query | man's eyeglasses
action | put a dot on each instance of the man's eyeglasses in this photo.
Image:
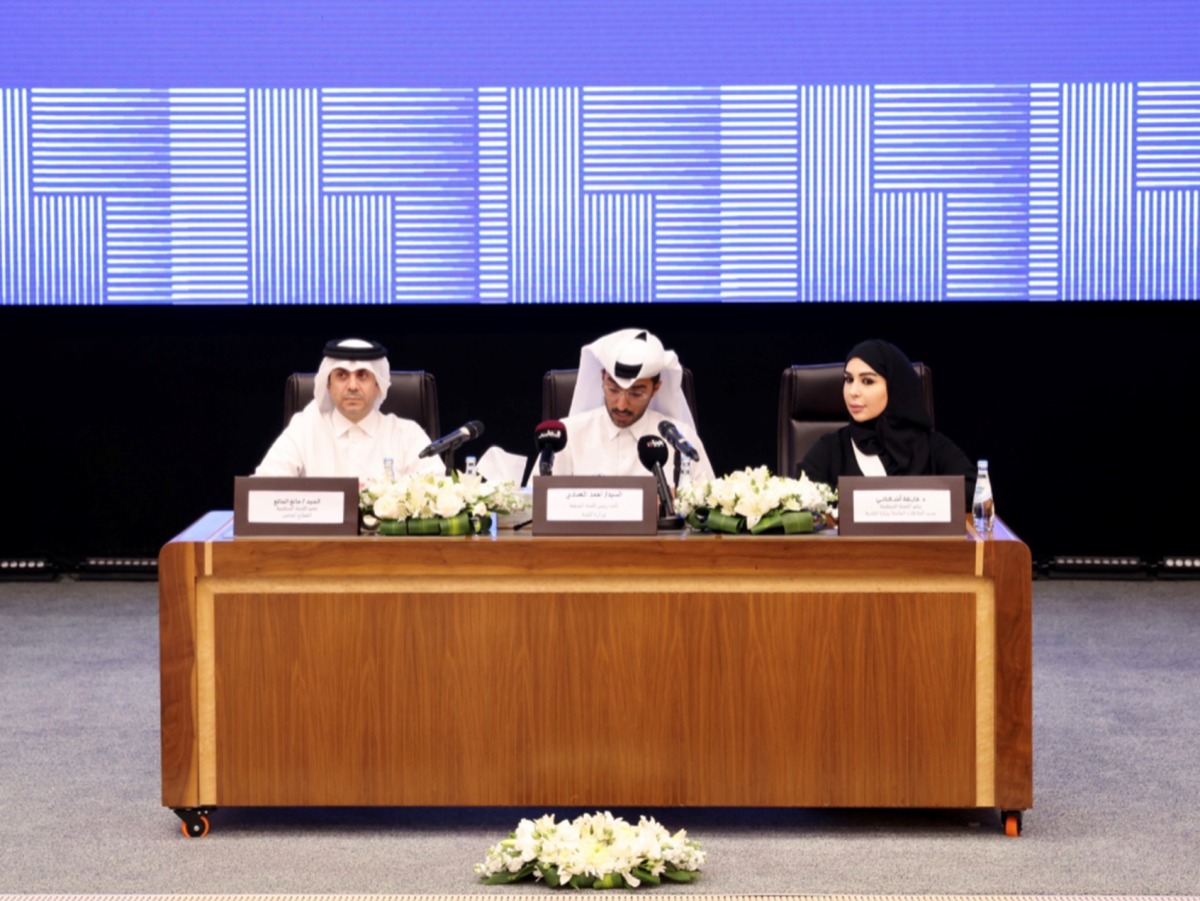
(634, 393)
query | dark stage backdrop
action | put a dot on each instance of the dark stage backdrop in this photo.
(130, 423)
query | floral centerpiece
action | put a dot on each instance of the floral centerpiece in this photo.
(427, 504)
(755, 501)
(592, 851)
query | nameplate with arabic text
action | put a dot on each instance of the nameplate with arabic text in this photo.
(595, 505)
(294, 506)
(901, 505)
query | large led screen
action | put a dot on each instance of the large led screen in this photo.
(493, 152)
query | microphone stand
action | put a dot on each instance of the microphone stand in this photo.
(667, 519)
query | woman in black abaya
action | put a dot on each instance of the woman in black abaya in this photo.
(889, 431)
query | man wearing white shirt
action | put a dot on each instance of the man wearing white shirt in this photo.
(341, 431)
(627, 384)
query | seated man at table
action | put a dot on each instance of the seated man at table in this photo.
(627, 384)
(341, 431)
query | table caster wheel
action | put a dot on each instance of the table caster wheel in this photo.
(1012, 822)
(194, 821)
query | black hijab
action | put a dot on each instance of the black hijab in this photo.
(900, 434)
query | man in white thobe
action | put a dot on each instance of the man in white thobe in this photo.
(341, 431)
(628, 383)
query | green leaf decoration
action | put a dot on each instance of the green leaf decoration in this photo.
(610, 880)
(796, 522)
(646, 876)
(550, 874)
(581, 881)
(768, 523)
(719, 522)
(424, 527)
(459, 524)
(504, 878)
(680, 875)
(393, 527)
(482, 524)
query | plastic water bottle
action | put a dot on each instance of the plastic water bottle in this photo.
(389, 469)
(983, 509)
(472, 466)
(685, 473)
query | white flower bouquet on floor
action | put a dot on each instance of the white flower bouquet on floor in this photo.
(753, 500)
(592, 851)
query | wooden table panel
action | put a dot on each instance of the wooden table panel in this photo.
(177, 673)
(457, 699)
(679, 670)
(522, 554)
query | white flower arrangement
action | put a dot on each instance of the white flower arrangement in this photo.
(425, 496)
(592, 851)
(505, 497)
(757, 500)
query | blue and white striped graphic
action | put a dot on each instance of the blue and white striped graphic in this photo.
(100, 142)
(759, 237)
(618, 247)
(545, 191)
(835, 194)
(435, 250)
(660, 140)
(137, 233)
(15, 241)
(284, 188)
(495, 252)
(1168, 181)
(1169, 244)
(69, 262)
(420, 147)
(1168, 136)
(111, 146)
(1045, 196)
(971, 143)
(664, 144)
(209, 217)
(500, 194)
(356, 245)
(909, 239)
(1097, 192)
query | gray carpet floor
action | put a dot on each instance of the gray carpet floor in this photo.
(1117, 778)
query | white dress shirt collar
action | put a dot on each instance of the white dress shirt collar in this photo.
(369, 424)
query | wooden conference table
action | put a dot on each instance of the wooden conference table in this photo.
(677, 670)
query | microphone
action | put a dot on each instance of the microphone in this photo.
(551, 437)
(472, 429)
(667, 429)
(653, 453)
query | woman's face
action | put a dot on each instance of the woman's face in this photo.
(864, 390)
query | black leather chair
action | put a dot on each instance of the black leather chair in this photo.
(558, 386)
(811, 405)
(412, 395)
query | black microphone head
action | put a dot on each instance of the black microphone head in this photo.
(551, 435)
(652, 450)
(668, 430)
(474, 428)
